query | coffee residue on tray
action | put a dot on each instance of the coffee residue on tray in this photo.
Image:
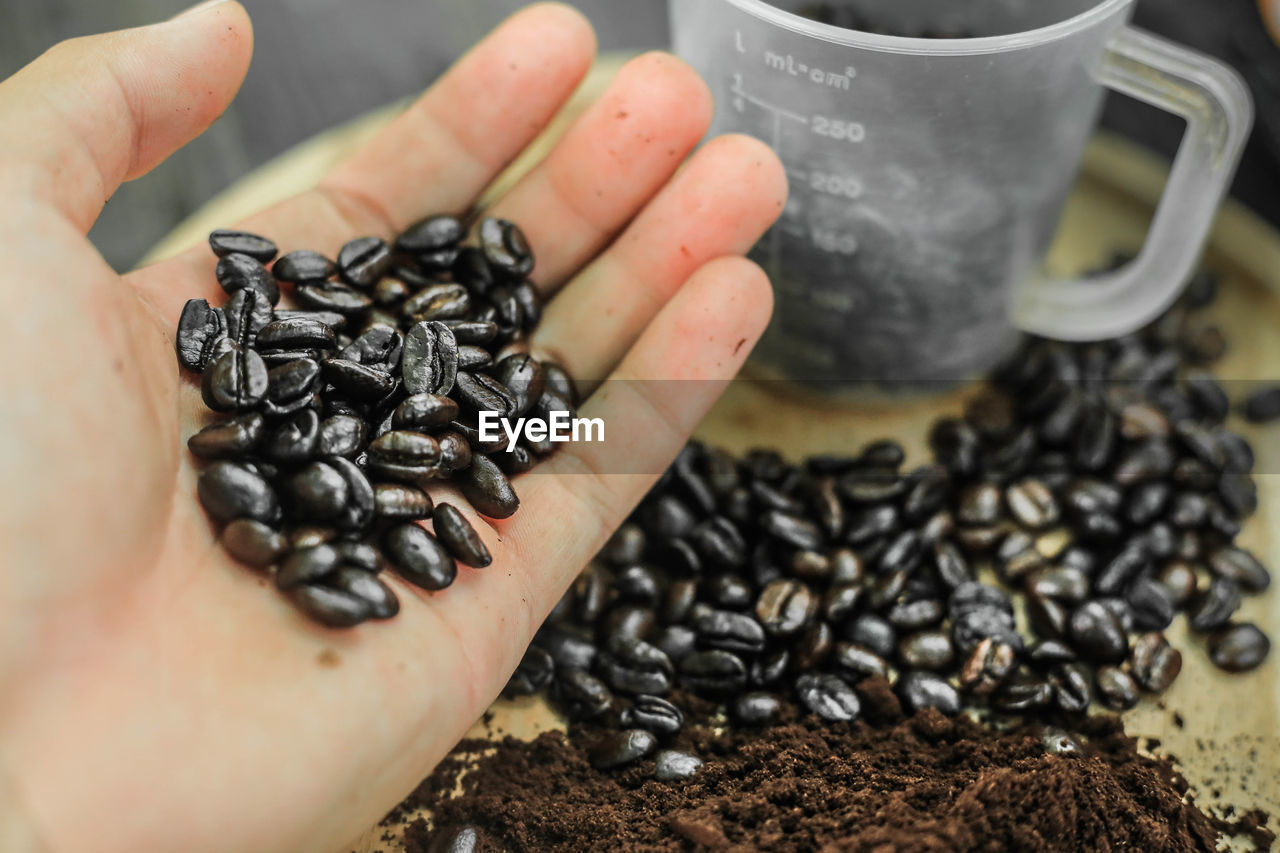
(885, 783)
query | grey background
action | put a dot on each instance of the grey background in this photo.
(320, 62)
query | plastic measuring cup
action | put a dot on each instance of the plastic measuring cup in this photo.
(927, 175)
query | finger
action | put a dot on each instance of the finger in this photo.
(94, 112)
(610, 162)
(729, 194)
(436, 157)
(650, 405)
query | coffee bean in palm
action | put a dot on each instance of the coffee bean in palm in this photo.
(1070, 684)
(237, 272)
(488, 489)
(567, 650)
(581, 694)
(401, 502)
(729, 591)
(617, 749)
(201, 330)
(653, 713)
(295, 439)
(1240, 566)
(228, 491)
(307, 566)
(1238, 648)
(459, 537)
(303, 265)
(714, 672)
(317, 491)
(293, 333)
(828, 697)
(871, 485)
(505, 248)
(364, 260)
(253, 543)
(331, 607)
(1263, 406)
(430, 360)
(236, 380)
(1216, 605)
(1098, 633)
(226, 242)
(357, 380)
(292, 381)
(341, 435)
(418, 557)
(228, 439)
(383, 603)
(1116, 688)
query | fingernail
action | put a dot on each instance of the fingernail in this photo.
(198, 8)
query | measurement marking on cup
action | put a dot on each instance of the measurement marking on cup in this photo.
(788, 64)
(741, 95)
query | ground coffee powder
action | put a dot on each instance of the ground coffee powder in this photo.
(886, 783)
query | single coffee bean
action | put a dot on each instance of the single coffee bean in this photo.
(828, 697)
(856, 662)
(1238, 648)
(297, 332)
(1263, 406)
(307, 566)
(310, 535)
(654, 714)
(430, 360)
(988, 666)
(331, 296)
(533, 674)
(1116, 688)
(979, 504)
(1032, 504)
(677, 641)
(1152, 604)
(357, 380)
(671, 765)
(785, 607)
(1070, 684)
(295, 440)
(1215, 607)
(714, 672)
(488, 489)
(567, 650)
(1098, 633)
(972, 627)
(364, 260)
(201, 330)
(228, 439)
(871, 485)
(523, 378)
(871, 523)
(581, 694)
(242, 272)
(630, 665)
(729, 591)
(228, 491)
(1058, 742)
(1147, 502)
(418, 557)
(873, 632)
(383, 603)
(401, 502)
(913, 615)
(724, 629)
(620, 748)
(756, 709)
(253, 543)
(505, 248)
(380, 346)
(303, 265)
(1023, 695)
(438, 302)
(1240, 566)
(331, 607)
(931, 650)
(978, 596)
(1060, 583)
(234, 381)
(919, 690)
(341, 435)
(318, 491)
(1048, 652)
(459, 537)
(225, 242)
(719, 542)
(1126, 565)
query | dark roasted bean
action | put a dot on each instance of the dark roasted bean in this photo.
(307, 565)
(331, 296)
(756, 709)
(952, 567)
(331, 607)
(1215, 607)
(988, 666)
(317, 491)
(671, 765)
(567, 650)
(655, 714)
(930, 650)
(418, 557)
(714, 672)
(229, 491)
(247, 313)
(1070, 684)
(379, 346)
(828, 697)
(1263, 406)
(724, 629)
(978, 596)
(582, 694)
(383, 603)
(1240, 566)
(459, 537)
(430, 359)
(1116, 688)
(979, 505)
(1098, 633)
(357, 380)
(488, 489)
(228, 439)
(303, 265)
(630, 665)
(1060, 583)
(919, 690)
(785, 607)
(201, 331)
(241, 272)
(1022, 695)
(1152, 604)
(913, 615)
(1125, 566)
(505, 248)
(289, 333)
(1048, 652)
(253, 543)
(621, 748)
(364, 260)
(1238, 648)
(341, 435)
(234, 381)
(1032, 504)
(225, 242)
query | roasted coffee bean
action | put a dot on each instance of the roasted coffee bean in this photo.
(671, 765)
(331, 607)
(1098, 633)
(637, 583)
(455, 451)
(241, 272)
(871, 523)
(1070, 684)
(630, 665)
(341, 435)
(952, 567)
(714, 672)
(459, 537)
(1238, 648)
(358, 554)
(794, 530)
(228, 439)
(913, 615)
(297, 333)
(380, 346)
(292, 380)
(201, 330)
(1116, 688)
(310, 535)
(855, 662)
(785, 607)
(676, 641)
(1046, 652)
(567, 650)
(903, 553)
(1142, 420)
(228, 491)
(1179, 578)
(1048, 617)
(234, 381)
(581, 694)
(1022, 695)
(871, 485)
(919, 690)
(430, 359)
(331, 296)
(930, 650)
(253, 543)
(1263, 406)
(1060, 583)
(363, 585)
(431, 235)
(303, 265)
(364, 260)
(1032, 504)
(523, 379)
(979, 504)
(404, 447)
(488, 489)
(307, 566)
(1237, 453)
(987, 667)
(1240, 566)
(247, 313)
(626, 546)
(478, 392)
(1058, 742)
(1088, 496)
(729, 591)
(620, 748)
(1147, 502)
(418, 557)
(828, 697)
(1126, 565)
(532, 675)
(357, 380)
(1096, 439)
(719, 542)
(654, 714)
(1017, 556)
(505, 248)
(756, 709)
(1152, 604)
(978, 596)
(840, 602)
(724, 629)
(1215, 607)
(871, 631)
(955, 445)
(317, 491)
(225, 242)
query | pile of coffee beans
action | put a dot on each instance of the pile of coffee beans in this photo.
(342, 410)
(1086, 495)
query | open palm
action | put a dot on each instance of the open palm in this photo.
(152, 695)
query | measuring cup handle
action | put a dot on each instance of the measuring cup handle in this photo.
(1219, 112)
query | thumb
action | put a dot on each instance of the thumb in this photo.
(94, 112)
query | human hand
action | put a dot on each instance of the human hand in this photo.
(152, 695)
